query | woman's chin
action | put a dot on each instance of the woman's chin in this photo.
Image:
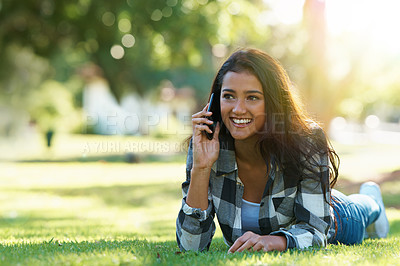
(241, 135)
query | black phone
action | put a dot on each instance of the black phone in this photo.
(212, 126)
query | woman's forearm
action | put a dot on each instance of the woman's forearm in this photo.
(197, 196)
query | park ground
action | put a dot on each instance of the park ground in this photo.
(83, 203)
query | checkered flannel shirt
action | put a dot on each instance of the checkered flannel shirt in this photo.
(296, 210)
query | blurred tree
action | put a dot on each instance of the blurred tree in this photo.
(323, 92)
(51, 108)
(136, 43)
(339, 76)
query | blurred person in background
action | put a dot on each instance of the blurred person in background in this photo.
(266, 170)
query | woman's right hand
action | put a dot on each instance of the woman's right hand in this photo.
(205, 151)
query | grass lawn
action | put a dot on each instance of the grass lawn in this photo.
(97, 209)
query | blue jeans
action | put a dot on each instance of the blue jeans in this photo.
(353, 214)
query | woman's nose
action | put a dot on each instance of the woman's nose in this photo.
(240, 107)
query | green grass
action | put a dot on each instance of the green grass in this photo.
(66, 211)
(96, 213)
(142, 252)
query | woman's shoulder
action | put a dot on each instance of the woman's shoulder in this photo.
(315, 132)
(314, 139)
(313, 126)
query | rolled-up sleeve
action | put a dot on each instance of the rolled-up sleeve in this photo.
(312, 218)
(194, 227)
(311, 206)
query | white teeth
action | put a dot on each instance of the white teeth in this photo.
(241, 121)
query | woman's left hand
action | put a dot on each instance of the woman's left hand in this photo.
(253, 242)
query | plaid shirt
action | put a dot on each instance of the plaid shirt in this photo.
(296, 210)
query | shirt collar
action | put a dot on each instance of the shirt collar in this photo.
(226, 162)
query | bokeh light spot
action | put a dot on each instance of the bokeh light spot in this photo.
(108, 19)
(167, 11)
(234, 8)
(124, 25)
(156, 15)
(338, 123)
(210, 9)
(128, 40)
(372, 121)
(117, 51)
(172, 2)
(158, 40)
(219, 50)
(189, 5)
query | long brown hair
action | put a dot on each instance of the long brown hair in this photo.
(290, 139)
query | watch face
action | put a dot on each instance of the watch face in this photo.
(197, 213)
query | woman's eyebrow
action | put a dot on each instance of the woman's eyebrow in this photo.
(228, 90)
(254, 91)
(247, 92)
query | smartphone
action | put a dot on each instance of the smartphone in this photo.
(212, 126)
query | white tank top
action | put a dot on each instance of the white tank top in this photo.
(250, 214)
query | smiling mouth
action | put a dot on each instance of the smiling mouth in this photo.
(241, 122)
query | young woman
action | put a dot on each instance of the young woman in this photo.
(268, 171)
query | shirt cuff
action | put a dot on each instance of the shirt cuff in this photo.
(290, 242)
(197, 213)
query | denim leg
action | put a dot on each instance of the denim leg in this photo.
(353, 214)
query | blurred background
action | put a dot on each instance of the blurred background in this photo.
(97, 94)
(141, 68)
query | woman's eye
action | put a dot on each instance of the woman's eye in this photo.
(253, 98)
(227, 96)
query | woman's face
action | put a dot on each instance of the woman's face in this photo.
(242, 105)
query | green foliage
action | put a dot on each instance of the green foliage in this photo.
(156, 41)
(373, 96)
(138, 44)
(52, 108)
(160, 39)
(21, 73)
(25, 87)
